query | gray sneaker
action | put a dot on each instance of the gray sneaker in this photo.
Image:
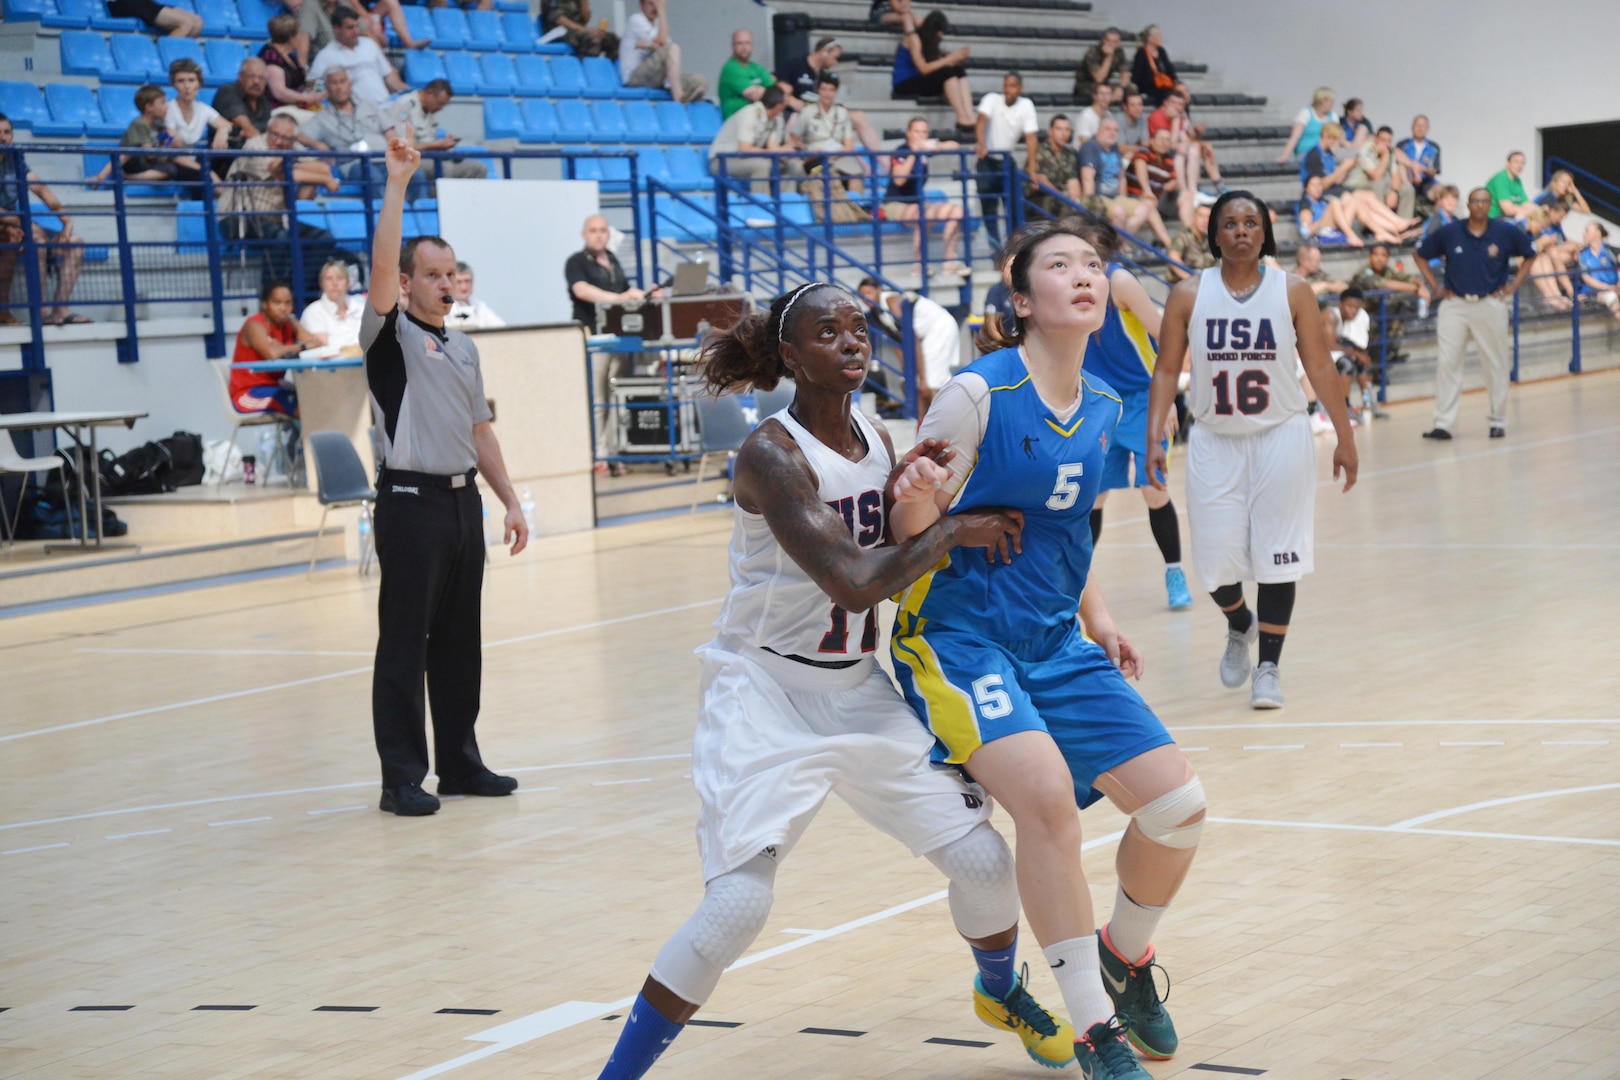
(1267, 692)
(1235, 663)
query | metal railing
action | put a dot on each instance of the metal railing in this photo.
(1598, 191)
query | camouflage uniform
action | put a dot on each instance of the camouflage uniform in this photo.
(1191, 249)
(1398, 307)
(1059, 165)
(582, 44)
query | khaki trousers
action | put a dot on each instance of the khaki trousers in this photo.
(1486, 321)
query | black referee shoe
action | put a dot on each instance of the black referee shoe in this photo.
(1439, 433)
(484, 783)
(1498, 433)
(407, 800)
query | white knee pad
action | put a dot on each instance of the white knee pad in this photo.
(732, 914)
(984, 886)
(1160, 820)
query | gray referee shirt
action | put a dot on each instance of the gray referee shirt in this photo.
(427, 392)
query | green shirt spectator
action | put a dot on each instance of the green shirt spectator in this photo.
(741, 79)
(1507, 190)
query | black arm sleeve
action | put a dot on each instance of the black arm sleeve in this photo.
(385, 372)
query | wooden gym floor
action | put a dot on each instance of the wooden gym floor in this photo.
(1412, 871)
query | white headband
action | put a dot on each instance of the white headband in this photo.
(781, 323)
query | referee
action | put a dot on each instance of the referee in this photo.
(433, 427)
(1476, 296)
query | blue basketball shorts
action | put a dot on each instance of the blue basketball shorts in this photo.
(970, 691)
(1129, 441)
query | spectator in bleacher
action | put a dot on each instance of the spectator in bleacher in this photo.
(177, 21)
(938, 337)
(347, 124)
(1421, 159)
(1380, 275)
(1102, 181)
(647, 56)
(742, 79)
(53, 232)
(314, 25)
(1348, 328)
(336, 313)
(1089, 120)
(1378, 170)
(889, 12)
(1358, 130)
(799, 79)
(904, 200)
(1508, 198)
(373, 76)
(922, 67)
(1308, 265)
(754, 129)
(1152, 71)
(1600, 278)
(584, 34)
(421, 108)
(1307, 130)
(244, 102)
(1545, 224)
(1324, 161)
(270, 334)
(1446, 197)
(1193, 152)
(467, 313)
(1056, 167)
(188, 120)
(254, 198)
(1324, 218)
(1006, 120)
(284, 71)
(1152, 178)
(1133, 125)
(825, 125)
(373, 14)
(1561, 189)
(1103, 65)
(1190, 246)
(147, 130)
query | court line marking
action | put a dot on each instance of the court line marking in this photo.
(573, 1013)
(226, 652)
(317, 790)
(1277, 746)
(1396, 470)
(1379, 723)
(1574, 742)
(251, 691)
(1481, 742)
(1334, 826)
(1507, 800)
(40, 847)
(1367, 745)
(615, 783)
(145, 832)
(237, 821)
(336, 810)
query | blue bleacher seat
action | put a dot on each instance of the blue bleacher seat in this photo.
(691, 224)
(419, 21)
(170, 49)
(483, 31)
(27, 10)
(85, 53)
(688, 168)
(502, 118)
(500, 75)
(518, 34)
(427, 214)
(519, 6)
(539, 121)
(71, 15)
(601, 77)
(312, 213)
(461, 68)
(533, 76)
(422, 67)
(795, 208)
(553, 48)
(192, 228)
(607, 121)
(640, 122)
(410, 224)
(673, 122)
(652, 165)
(117, 109)
(706, 120)
(225, 59)
(567, 77)
(346, 220)
(220, 17)
(71, 107)
(612, 174)
(574, 122)
(100, 20)
(449, 28)
(21, 102)
(256, 16)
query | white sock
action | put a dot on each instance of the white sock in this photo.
(1172, 566)
(1075, 966)
(1130, 931)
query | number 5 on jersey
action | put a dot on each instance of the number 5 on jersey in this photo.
(1067, 488)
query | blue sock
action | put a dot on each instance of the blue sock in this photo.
(646, 1033)
(997, 973)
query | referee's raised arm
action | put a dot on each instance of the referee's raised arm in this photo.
(402, 161)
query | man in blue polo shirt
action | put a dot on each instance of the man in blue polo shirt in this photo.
(1473, 303)
(1420, 156)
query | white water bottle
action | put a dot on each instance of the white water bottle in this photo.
(526, 504)
(1423, 307)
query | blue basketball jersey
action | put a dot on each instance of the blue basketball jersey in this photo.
(1051, 471)
(1122, 352)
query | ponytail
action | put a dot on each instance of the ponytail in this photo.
(750, 353)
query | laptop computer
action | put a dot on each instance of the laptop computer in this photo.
(691, 279)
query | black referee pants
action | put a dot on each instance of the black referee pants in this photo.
(430, 546)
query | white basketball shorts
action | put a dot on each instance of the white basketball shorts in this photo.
(774, 737)
(1251, 503)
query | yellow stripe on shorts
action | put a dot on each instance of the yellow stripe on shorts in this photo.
(947, 710)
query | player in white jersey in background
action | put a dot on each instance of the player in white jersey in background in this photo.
(1251, 461)
(794, 705)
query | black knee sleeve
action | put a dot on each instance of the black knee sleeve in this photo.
(1096, 524)
(1166, 531)
(1227, 595)
(1275, 604)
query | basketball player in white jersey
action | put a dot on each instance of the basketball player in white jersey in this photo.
(794, 705)
(1251, 460)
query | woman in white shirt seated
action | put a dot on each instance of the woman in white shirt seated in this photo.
(336, 313)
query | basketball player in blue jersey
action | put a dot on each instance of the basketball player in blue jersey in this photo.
(1251, 459)
(994, 661)
(1122, 354)
(794, 705)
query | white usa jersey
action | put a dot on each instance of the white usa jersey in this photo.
(773, 603)
(1244, 374)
